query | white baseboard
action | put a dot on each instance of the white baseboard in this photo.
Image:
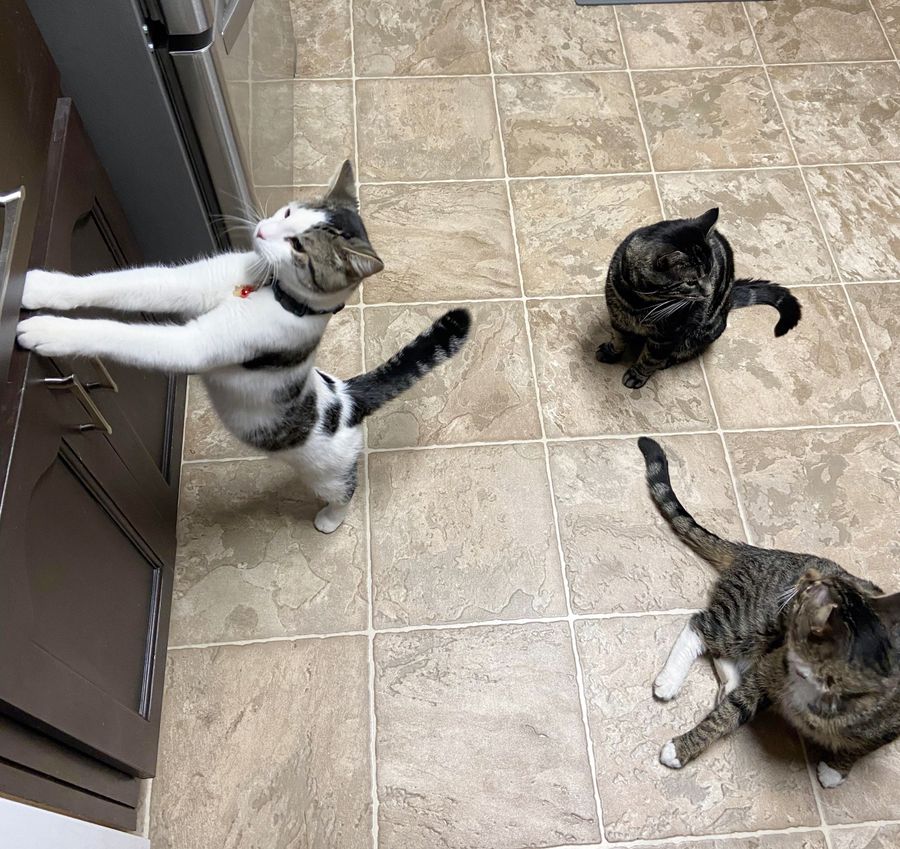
(26, 827)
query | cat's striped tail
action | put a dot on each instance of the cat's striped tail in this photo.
(748, 293)
(441, 341)
(719, 552)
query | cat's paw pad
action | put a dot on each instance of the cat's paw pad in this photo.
(49, 335)
(634, 380)
(329, 519)
(665, 687)
(608, 353)
(829, 777)
(669, 757)
(47, 290)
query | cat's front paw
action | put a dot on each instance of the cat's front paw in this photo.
(634, 379)
(50, 290)
(669, 757)
(828, 776)
(608, 353)
(51, 336)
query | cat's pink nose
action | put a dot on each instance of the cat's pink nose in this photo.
(259, 234)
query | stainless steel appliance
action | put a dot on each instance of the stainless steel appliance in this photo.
(148, 77)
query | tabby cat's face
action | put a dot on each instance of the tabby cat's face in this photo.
(675, 258)
(839, 650)
(319, 252)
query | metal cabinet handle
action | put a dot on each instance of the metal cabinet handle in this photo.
(74, 385)
(106, 379)
(12, 208)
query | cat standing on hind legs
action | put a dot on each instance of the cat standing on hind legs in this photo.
(794, 631)
(669, 289)
(252, 323)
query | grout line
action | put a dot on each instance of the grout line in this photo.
(370, 584)
(579, 73)
(597, 175)
(445, 626)
(597, 437)
(570, 620)
(787, 130)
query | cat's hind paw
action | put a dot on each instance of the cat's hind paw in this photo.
(828, 776)
(608, 353)
(669, 757)
(330, 518)
(48, 290)
(50, 336)
(634, 379)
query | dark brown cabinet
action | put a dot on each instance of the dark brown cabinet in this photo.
(90, 455)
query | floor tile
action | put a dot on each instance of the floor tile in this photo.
(871, 792)
(833, 493)
(480, 740)
(753, 779)
(308, 148)
(889, 14)
(293, 38)
(621, 555)
(251, 564)
(265, 746)
(236, 62)
(440, 241)
(581, 397)
(404, 38)
(546, 35)
(687, 35)
(765, 215)
(485, 393)
(711, 119)
(819, 373)
(841, 113)
(570, 124)
(205, 437)
(428, 129)
(878, 310)
(463, 534)
(822, 30)
(858, 206)
(866, 837)
(568, 229)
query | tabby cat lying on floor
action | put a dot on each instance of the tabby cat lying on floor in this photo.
(791, 630)
(254, 322)
(669, 289)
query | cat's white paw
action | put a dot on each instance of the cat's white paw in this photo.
(667, 756)
(48, 290)
(828, 777)
(51, 336)
(666, 686)
(330, 518)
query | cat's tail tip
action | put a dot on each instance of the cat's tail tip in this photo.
(455, 325)
(789, 314)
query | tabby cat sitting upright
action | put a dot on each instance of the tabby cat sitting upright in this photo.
(794, 631)
(669, 289)
(253, 322)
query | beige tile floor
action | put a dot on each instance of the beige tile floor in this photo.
(466, 663)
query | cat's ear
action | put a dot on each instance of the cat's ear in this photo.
(708, 220)
(820, 599)
(359, 258)
(342, 189)
(888, 608)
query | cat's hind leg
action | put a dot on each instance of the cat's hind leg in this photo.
(337, 490)
(688, 647)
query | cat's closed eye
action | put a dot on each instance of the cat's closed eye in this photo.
(287, 213)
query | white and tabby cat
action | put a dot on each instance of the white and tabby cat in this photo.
(252, 322)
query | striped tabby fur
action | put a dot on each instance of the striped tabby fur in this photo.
(794, 631)
(669, 289)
